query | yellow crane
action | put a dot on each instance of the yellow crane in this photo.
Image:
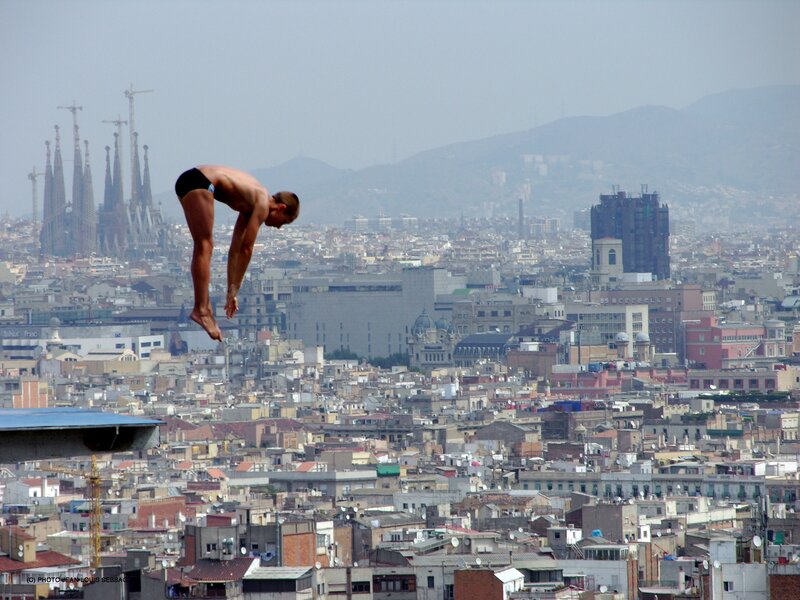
(96, 512)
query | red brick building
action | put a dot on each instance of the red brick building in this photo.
(486, 584)
(712, 344)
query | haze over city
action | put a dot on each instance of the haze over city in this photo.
(354, 84)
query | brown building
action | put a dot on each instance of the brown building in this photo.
(486, 584)
(668, 308)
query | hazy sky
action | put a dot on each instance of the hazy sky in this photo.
(253, 83)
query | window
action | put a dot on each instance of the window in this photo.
(430, 581)
(612, 257)
(727, 586)
(360, 587)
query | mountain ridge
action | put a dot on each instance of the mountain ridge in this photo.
(733, 145)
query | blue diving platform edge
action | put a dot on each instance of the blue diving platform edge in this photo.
(39, 433)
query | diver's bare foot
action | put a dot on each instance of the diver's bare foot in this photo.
(207, 322)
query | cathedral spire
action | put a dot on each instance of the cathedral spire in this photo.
(59, 233)
(119, 212)
(45, 234)
(73, 241)
(88, 215)
(147, 192)
(136, 176)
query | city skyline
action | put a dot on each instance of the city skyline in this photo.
(355, 98)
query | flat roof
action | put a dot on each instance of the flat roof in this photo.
(39, 433)
(277, 572)
(58, 418)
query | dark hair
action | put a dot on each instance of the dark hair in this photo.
(291, 201)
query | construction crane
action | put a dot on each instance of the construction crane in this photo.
(96, 512)
(129, 94)
(74, 110)
(119, 123)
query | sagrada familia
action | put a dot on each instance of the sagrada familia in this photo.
(132, 229)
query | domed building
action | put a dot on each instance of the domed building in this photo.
(622, 341)
(642, 349)
(431, 343)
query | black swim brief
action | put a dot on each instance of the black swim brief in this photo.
(193, 179)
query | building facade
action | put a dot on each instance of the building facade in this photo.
(642, 223)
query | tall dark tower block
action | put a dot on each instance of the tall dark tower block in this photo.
(643, 226)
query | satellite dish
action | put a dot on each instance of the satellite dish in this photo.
(243, 550)
(705, 565)
(716, 564)
(478, 561)
(511, 535)
(164, 563)
(454, 541)
(467, 541)
(375, 523)
(603, 589)
(520, 529)
(757, 541)
(317, 565)
(355, 564)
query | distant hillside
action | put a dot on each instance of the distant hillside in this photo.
(724, 149)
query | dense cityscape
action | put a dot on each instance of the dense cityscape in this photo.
(404, 408)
